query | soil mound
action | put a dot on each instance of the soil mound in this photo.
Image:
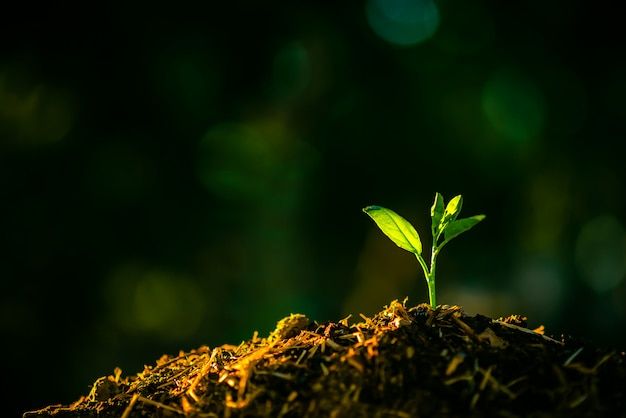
(403, 362)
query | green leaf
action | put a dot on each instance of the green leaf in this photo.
(457, 227)
(436, 213)
(453, 209)
(398, 229)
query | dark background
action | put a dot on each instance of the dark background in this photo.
(177, 176)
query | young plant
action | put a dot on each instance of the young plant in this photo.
(444, 227)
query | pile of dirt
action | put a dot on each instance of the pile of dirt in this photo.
(403, 362)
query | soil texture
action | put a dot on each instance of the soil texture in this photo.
(402, 362)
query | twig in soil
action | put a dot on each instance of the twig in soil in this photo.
(593, 370)
(159, 405)
(572, 357)
(301, 356)
(454, 363)
(130, 406)
(324, 369)
(205, 369)
(466, 328)
(283, 376)
(528, 331)
(246, 366)
(241, 404)
(334, 345)
(172, 380)
(355, 363)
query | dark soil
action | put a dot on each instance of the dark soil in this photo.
(403, 362)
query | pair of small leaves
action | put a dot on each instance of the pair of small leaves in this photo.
(404, 235)
(446, 220)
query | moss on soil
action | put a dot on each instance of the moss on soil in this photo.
(403, 362)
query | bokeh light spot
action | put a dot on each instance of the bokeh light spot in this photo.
(514, 106)
(540, 286)
(403, 22)
(258, 160)
(476, 298)
(151, 301)
(235, 161)
(601, 253)
(33, 113)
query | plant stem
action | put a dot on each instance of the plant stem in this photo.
(431, 292)
(431, 277)
(427, 275)
(423, 264)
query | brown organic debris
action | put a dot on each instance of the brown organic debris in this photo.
(402, 362)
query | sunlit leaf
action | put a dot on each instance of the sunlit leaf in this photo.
(436, 213)
(398, 229)
(453, 209)
(457, 227)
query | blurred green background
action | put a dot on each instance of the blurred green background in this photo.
(175, 176)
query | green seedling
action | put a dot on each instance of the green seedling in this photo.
(444, 228)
